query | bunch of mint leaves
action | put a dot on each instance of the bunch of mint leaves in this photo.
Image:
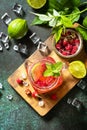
(53, 69)
(62, 14)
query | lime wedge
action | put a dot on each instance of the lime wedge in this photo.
(36, 4)
(77, 69)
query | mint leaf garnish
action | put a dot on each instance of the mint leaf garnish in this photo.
(48, 72)
(53, 69)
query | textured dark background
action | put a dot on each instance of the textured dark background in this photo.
(17, 114)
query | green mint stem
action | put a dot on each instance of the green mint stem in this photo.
(78, 12)
(83, 10)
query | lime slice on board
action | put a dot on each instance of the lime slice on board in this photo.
(36, 4)
(77, 69)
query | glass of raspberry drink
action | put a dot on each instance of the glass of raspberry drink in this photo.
(43, 84)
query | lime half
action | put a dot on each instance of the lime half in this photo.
(77, 69)
(36, 4)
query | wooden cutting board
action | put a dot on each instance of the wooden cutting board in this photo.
(68, 84)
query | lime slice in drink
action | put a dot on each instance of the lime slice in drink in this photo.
(77, 69)
(36, 4)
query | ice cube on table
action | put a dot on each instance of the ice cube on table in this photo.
(82, 83)
(18, 9)
(43, 48)
(23, 49)
(4, 38)
(76, 103)
(34, 38)
(6, 19)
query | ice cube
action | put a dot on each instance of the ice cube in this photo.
(43, 48)
(34, 38)
(76, 103)
(4, 38)
(18, 9)
(6, 18)
(23, 49)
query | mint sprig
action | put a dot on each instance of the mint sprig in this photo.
(57, 20)
(53, 69)
(62, 15)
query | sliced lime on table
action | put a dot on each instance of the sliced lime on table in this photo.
(77, 69)
(36, 4)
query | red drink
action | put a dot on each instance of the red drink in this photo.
(41, 83)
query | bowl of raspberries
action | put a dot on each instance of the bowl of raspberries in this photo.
(69, 45)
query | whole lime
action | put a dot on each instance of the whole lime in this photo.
(17, 28)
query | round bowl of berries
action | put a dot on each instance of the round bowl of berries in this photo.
(42, 76)
(69, 45)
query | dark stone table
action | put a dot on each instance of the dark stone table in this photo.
(17, 114)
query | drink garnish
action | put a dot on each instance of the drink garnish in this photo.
(53, 69)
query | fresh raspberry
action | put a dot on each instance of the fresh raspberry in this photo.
(58, 46)
(77, 41)
(69, 47)
(65, 53)
(74, 49)
(65, 42)
(34, 94)
(19, 81)
(72, 42)
(53, 97)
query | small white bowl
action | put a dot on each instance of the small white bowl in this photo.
(80, 45)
